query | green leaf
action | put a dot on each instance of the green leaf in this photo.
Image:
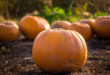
(58, 10)
(47, 11)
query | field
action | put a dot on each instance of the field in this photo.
(16, 55)
(16, 58)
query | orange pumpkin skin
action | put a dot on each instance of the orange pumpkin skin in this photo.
(83, 28)
(8, 31)
(59, 51)
(102, 26)
(32, 25)
(89, 21)
(61, 24)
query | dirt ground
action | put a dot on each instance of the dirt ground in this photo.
(16, 58)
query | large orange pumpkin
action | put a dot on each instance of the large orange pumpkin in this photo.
(61, 24)
(32, 25)
(58, 51)
(83, 28)
(102, 26)
(8, 31)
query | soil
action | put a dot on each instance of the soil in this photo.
(16, 58)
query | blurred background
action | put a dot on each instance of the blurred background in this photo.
(53, 10)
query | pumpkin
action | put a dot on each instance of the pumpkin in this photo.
(59, 51)
(83, 28)
(32, 25)
(8, 31)
(102, 26)
(88, 21)
(61, 24)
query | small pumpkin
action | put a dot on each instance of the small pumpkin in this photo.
(61, 24)
(8, 31)
(83, 28)
(102, 26)
(58, 51)
(32, 25)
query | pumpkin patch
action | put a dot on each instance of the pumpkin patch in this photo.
(54, 37)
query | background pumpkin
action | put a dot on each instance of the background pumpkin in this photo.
(32, 25)
(83, 28)
(102, 26)
(59, 51)
(8, 31)
(61, 24)
(89, 21)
